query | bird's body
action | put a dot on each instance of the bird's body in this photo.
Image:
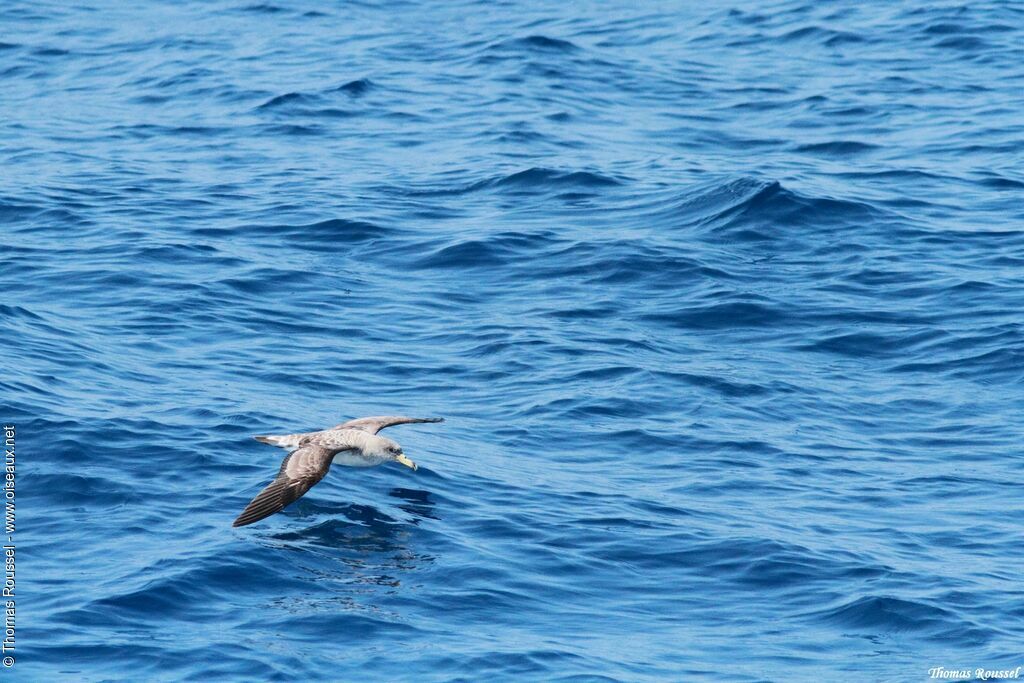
(351, 444)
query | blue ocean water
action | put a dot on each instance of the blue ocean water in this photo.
(722, 304)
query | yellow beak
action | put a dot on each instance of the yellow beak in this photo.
(406, 461)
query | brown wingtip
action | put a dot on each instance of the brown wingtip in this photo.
(252, 514)
(247, 518)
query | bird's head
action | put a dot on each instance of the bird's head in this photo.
(392, 451)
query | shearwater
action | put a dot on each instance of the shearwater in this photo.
(352, 444)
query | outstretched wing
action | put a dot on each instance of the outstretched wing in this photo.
(299, 472)
(375, 424)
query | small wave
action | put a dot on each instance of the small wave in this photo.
(965, 43)
(185, 78)
(329, 113)
(331, 232)
(288, 99)
(262, 8)
(722, 385)
(292, 129)
(1002, 364)
(754, 210)
(1002, 182)
(13, 312)
(357, 87)
(310, 626)
(13, 212)
(545, 177)
(873, 345)
(93, 492)
(731, 315)
(346, 230)
(820, 34)
(945, 28)
(542, 43)
(469, 254)
(891, 615)
(536, 179)
(839, 148)
(51, 52)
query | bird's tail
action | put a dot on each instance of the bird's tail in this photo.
(289, 441)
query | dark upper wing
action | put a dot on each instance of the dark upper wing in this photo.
(375, 424)
(299, 472)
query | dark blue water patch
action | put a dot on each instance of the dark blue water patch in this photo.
(94, 493)
(893, 617)
(943, 28)
(357, 88)
(186, 77)
(541, 43)
(841, 148)
(177, 253)
(334, 233)
(13, 211)
(722, 316)
(332, 113)
(535, 180)
(776, 205)
(965, 43)
(472, 254)
(50, 52)
(263, 8)
(826, 36)
(710, 201)
(865, 345)
(294, 130)
(9, 312)
(1003, 183)
(545, 178)
(721, 385)
(998, 362)
(748, 210)
(288, 99)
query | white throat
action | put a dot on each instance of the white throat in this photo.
(369, 450)
(356, 459)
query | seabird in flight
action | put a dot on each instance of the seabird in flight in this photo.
(352, 444)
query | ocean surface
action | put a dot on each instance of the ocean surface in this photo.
(723, 304)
